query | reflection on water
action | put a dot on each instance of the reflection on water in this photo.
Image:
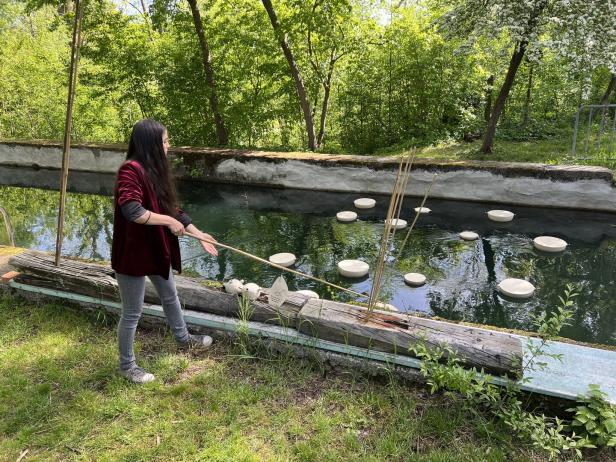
(462, 276)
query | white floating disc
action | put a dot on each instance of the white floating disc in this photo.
(353, 268)
(422, 210)
(308, 293)
(516, 288)
(283, 259)
(469, 235)
(397, 223)
(386, 306)
(364, 203)
(549, 244)
(415, 279)
(346, 216)
(251, 290)
(500, 215)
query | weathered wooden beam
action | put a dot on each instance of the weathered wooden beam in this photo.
(493, 351)
(71, 275)
(496, 352)
(97, 280)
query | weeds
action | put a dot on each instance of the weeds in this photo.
(443, 370)
(245, 311)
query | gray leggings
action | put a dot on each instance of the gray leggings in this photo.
(132, 291)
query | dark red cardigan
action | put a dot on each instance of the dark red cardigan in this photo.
(140, 250)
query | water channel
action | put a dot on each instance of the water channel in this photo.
(462, 276)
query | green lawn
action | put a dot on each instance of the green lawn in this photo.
(60, 400)
(555, 150)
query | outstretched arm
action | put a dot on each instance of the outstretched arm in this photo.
(209, 248)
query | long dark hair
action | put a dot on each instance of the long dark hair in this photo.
(146, 147)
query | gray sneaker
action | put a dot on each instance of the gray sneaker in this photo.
(136, 375)
(196, 341)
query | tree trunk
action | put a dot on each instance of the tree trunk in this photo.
(327, 86)
(299, 83)
(146, 18)
(514, 64)
(221, 131)
(608, 92)
(526, 112)
(489, 91)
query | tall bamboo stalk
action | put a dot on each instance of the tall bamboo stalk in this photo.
(387, 228)
(72, 83)
(417, 214)
(389, 231)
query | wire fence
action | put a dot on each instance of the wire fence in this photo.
(594, 134)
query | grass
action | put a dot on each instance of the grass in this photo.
(552, 150)
(60, 400)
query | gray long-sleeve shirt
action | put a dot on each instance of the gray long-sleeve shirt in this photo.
(133, 210)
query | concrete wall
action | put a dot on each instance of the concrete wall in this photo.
(90, 158)
(577, 187)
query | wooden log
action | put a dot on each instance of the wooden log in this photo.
(496, 352)
(97, 280)
(70, 276)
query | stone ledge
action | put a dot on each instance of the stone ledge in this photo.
(541, 185)
(191, 155)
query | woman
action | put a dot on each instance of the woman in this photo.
(146, 226)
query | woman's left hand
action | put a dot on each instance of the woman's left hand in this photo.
(209, 248)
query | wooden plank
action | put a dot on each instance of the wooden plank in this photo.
(496, 352)
(71, 275)
(97, 280)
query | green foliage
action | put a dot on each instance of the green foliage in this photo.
(595, 418)
(594, 421)
(245, 310)
(63, 401)
(397, 80)
(548, 326)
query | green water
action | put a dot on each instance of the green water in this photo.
(462, 276)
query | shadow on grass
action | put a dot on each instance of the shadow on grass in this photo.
(61, 400)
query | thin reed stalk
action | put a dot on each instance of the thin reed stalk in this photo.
(408, 233)
(389, 231)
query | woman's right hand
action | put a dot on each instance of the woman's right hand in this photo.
(175, 226)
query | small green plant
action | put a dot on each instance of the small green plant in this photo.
(443, 370)
(245, 312)
(548, 326)
(595, 418)
(332, 294)
(195, 171)
(212, 284)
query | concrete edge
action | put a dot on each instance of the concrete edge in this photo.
(191, 154)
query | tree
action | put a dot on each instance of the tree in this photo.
(221, 130)
(331, 31)
(605, 99)
(581, 31)
(282, 38)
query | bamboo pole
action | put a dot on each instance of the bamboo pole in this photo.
(389, 231)
(267, 262)
(386, 232)
(72, 82)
